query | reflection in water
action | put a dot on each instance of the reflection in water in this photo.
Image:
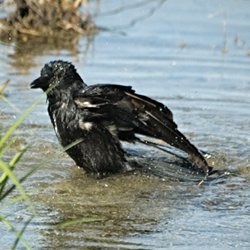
(27, 48)
(54, 42)
(23, 56)
(126, 205)
(130, 207)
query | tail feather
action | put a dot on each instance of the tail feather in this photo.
(160, 124)
(176, 139)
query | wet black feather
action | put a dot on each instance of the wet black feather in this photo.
(102, 115)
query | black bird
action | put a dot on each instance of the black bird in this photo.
(99, 116)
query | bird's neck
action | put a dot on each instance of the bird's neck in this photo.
(58, 97)
(63, 95)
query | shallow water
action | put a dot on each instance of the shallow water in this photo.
(191, 55)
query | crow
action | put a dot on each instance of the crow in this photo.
(91, 121)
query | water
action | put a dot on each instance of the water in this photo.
(191, 55)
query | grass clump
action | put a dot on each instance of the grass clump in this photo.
(48, 18)
(11, 188)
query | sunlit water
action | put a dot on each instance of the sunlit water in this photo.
(194, 56)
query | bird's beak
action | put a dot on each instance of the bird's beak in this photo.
(41, 82)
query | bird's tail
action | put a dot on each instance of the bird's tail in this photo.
(172, 136)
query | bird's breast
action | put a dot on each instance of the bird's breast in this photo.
(61, 116)
(69, 123)
(55, 123)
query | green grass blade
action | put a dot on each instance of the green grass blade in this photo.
(74, 143)
(76, 221)
(13, 106)
(16, 158)
(13, 162)
(8, 191)
(18, 185)
(6, 148)
(20, 234)
(3, 86)
(19, 120)
(10, 226)
(11, 201)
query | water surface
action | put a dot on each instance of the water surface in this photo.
(191, 55)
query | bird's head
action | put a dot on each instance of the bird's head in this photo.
(57, 75)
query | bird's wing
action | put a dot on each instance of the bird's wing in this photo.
(125, 113)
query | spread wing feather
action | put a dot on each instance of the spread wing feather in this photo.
(125, 113)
